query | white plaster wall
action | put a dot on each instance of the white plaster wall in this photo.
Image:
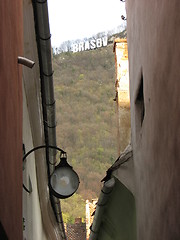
(33, 227)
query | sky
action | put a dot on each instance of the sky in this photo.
(76, 19)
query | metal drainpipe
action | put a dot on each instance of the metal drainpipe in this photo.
(102, 201)
(47, 90)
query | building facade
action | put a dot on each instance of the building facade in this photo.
(122, 97)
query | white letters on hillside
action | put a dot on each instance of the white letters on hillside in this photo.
(99, 42)
(90, 45)
(87, 46)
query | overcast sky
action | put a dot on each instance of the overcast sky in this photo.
(70, 19)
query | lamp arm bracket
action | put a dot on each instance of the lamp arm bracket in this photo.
(40, 147)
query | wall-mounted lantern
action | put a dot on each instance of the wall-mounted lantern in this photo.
(64, 181)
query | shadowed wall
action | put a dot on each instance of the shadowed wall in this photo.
(154, 57)
(11, 118)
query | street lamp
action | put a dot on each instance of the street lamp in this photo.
(64, 181)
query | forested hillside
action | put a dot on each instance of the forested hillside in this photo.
(86, 118)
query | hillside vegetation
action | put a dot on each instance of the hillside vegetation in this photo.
(86, 117)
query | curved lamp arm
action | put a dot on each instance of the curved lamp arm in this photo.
(33, 150)
(43, 146)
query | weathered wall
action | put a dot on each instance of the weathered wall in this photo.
(154, 56)
(11, 118)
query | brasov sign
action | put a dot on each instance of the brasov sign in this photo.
(90, 44)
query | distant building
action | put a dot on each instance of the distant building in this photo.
(122, 97)
(76, 231)
(90, 210)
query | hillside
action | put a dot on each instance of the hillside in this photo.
(86, 118)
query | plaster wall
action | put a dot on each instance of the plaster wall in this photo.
(32, 219)
(11, 46)
(154, 55)
(33, 227)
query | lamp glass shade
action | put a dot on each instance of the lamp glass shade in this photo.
(64, 182)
